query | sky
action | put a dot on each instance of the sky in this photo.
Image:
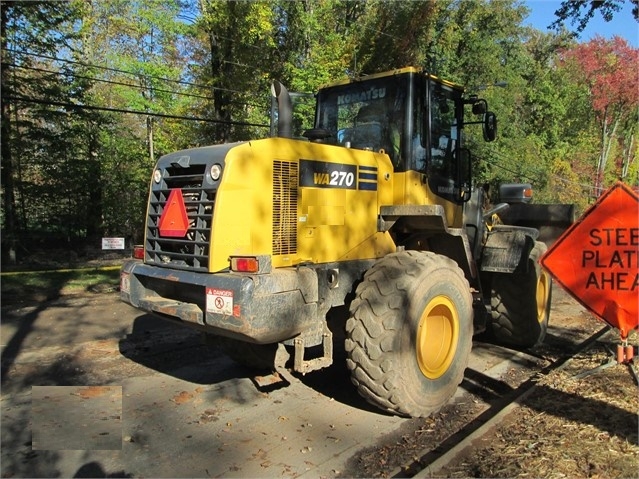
(623, 23)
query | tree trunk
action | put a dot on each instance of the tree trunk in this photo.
(149, 138)
(627, 157)
(8, 178)
(94, 210)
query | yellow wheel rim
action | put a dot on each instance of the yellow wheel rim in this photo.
(437, 337)
(543, 290)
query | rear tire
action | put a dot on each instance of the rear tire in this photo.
(520, 304)
(410, 332)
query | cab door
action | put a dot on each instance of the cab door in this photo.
(448, 164)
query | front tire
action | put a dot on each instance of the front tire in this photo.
(410, 332)
(520, 304)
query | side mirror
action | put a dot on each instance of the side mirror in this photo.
(490, 126)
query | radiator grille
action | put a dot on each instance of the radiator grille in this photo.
(192, 251)
(285, 183)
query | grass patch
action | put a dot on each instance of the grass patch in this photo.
(61, 281)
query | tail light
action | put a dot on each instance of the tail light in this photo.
(245, 264)
(138, 252)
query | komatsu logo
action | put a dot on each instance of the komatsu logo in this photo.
(367, 95)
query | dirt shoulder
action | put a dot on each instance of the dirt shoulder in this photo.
(46, 277)
(569, 426)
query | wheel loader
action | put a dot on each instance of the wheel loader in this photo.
(367, 225)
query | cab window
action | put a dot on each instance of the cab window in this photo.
(367, 115)
(443, 130)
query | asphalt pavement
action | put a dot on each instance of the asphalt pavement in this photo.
(92, 387)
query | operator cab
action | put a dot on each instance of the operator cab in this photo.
(412, 116)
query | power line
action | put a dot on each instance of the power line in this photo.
(133, 112)
(112, 82)
(374, 30)
(521, 174)
(99, 80)
(525, 176)
(117, 70)
(235, 41)
(582, 185)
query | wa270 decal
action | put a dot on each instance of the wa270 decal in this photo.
(322, 174)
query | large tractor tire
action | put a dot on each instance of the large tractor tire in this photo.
(253, 356)
(520, 304)
(410, 332)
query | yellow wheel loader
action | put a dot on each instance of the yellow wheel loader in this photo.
(259, 243)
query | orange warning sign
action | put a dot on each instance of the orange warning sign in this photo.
(597, 259)
(174, 221)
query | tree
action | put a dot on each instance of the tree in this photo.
(135, 49)
(232, 55)
(316, 44)
(94, 90)
(392, 33)
(581, 12)
(607, 68)
(142, 41)
(31, 32)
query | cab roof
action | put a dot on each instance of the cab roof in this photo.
(398, 71)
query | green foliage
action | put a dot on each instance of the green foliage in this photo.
(44, 136)
(391, 34)
(580, 12)
(162, 75)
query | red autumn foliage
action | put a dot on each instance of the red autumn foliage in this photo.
(610, 68)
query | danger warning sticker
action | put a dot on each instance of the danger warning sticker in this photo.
(219, 301)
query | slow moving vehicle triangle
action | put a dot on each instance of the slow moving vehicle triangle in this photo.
(174, 221)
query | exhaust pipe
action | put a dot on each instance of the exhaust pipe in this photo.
(284, 110)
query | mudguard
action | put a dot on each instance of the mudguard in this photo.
(507, 249)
